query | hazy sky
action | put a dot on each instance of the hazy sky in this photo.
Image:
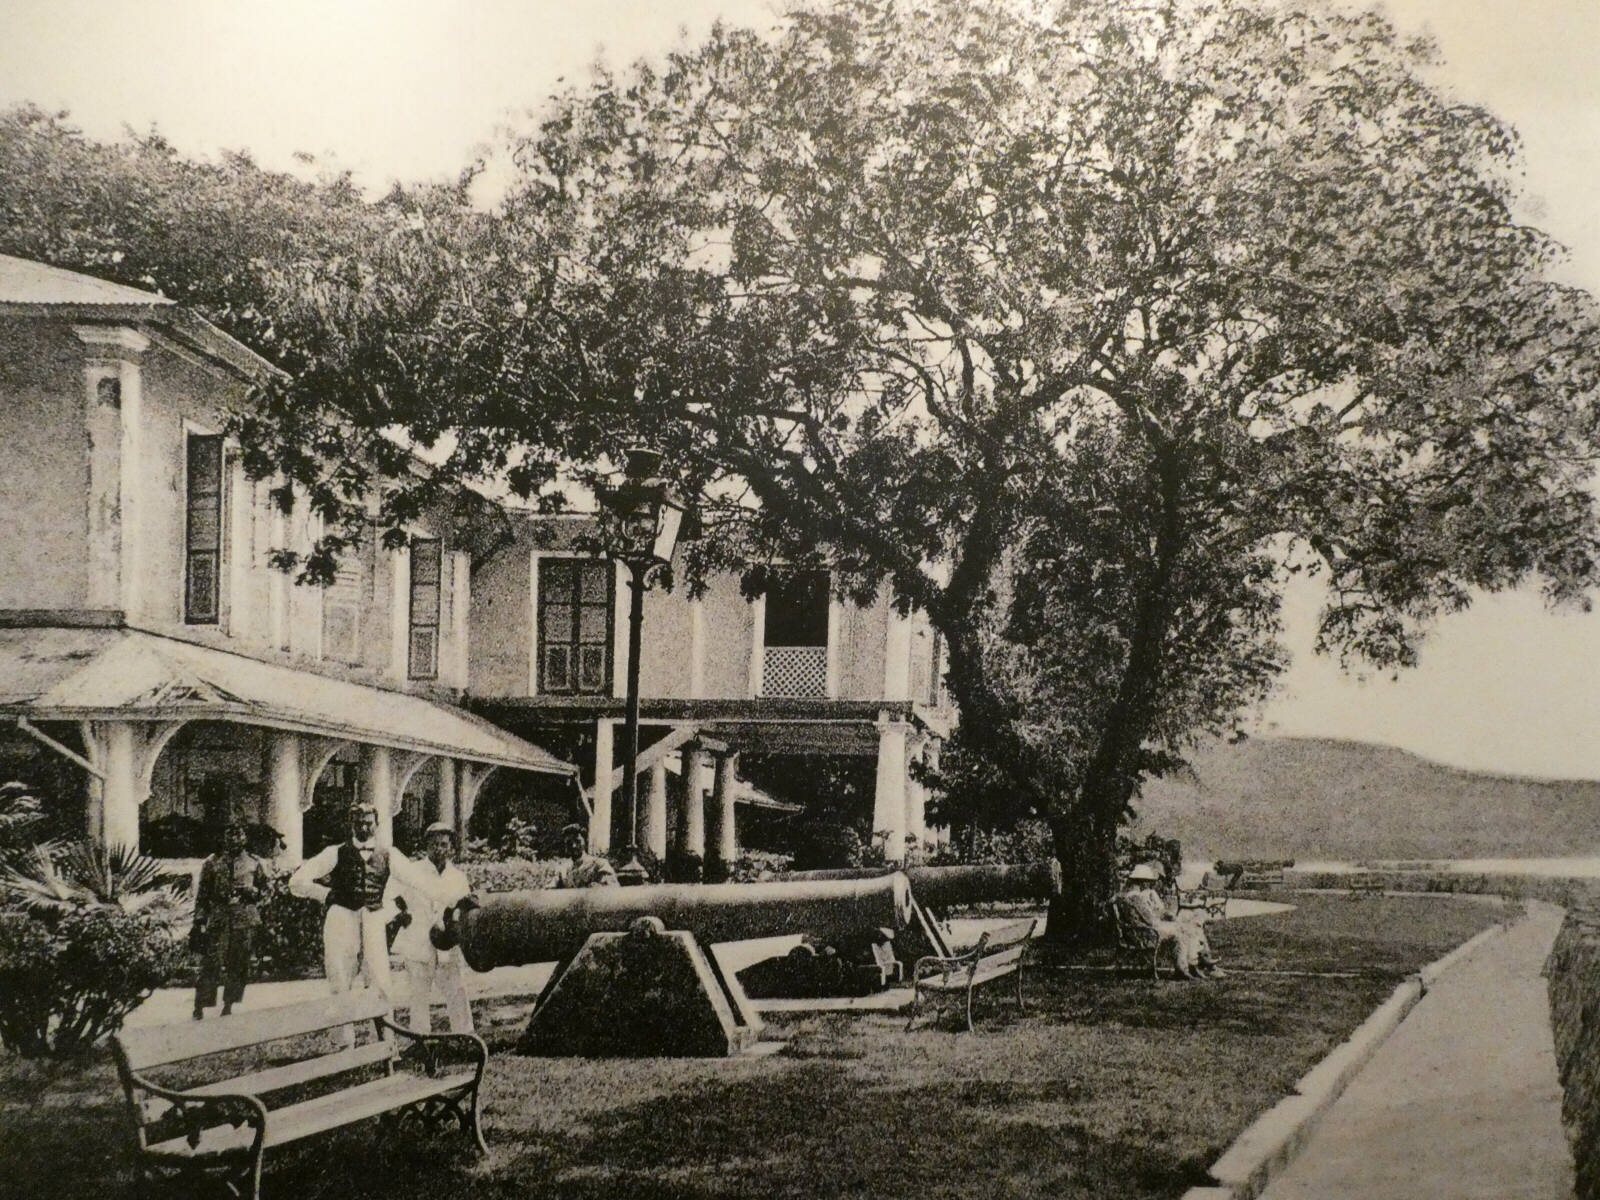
(408, 88)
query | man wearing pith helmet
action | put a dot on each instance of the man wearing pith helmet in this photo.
(355, 881)
(432, 960)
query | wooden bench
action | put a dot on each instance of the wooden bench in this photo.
(1257, 877)
(1365, 883)
(228, 1110)
(1214, 902)
(998, 954)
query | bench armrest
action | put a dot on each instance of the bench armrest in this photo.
(431, 1044)
(948, 964)
(192, 1114)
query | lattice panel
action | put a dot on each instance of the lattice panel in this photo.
(796, 671)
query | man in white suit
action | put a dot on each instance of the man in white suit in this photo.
(355, 881)
(430, 958)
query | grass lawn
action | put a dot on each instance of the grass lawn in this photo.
(1110, 1085)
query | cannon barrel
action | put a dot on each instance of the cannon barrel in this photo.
(512, 928)
(947, 887)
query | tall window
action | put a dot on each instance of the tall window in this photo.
(797, 610)
(203, 531)
(575, 626)
(795, 637)
(343, 603)
(423, 659)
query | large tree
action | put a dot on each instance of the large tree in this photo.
(1069, 323)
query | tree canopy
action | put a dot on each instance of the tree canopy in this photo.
(1075, 324)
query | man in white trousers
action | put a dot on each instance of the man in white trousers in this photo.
(430, 958)
(359, 897)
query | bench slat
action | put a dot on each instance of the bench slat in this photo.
(291, 1074)
(316, 1116)
(161, 1044)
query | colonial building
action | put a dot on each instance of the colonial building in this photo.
(796, 672)
(144, 637)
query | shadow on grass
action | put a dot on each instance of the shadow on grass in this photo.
(1107, 1086)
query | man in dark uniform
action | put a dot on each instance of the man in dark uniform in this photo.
(226, 918)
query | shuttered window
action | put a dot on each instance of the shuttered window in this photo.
(575, 618)
(203, 531)
(423, 657)
(344, 602)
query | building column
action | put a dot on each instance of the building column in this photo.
(916, 796)
(889, 796)
(380, 790)
(284, 788)
(696, 765)
(447, 791)
(113, 386)
(114, 821)
(600, 817)
(467, 785)
(722, 838)
(655, 811)
(939, 833)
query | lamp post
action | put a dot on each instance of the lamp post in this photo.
(649, 513)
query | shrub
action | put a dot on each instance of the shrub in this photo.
(825, 845)
(289, 942)
(1029, 841)
(67, 983)
(512, 875)
(757, 865)
(175, 835)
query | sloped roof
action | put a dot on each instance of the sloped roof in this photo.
(34, 289)
(25, 282)
(76, 674)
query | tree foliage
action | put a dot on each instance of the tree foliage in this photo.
(1074, 324)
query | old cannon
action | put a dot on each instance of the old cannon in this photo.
(944, 888)
(631, 975)
(512, 928)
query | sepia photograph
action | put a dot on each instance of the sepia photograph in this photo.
(800, 598)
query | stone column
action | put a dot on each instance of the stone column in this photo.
(466, 797)
(284, 790)
(940, 833)
(695, 768)
(447, 792)
(916, 795)
(889, 797)
(655, 811)
(380, 790)
(722, 840)
(117, 822)
(600, 819)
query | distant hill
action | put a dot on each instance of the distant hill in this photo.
(1311, 798)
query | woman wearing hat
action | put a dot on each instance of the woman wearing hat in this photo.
(431, 959)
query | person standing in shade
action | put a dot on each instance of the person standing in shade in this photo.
(226, 917)
(355, 881)
(586, 870)
(424, 944)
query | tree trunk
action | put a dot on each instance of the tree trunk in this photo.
(1086, 847)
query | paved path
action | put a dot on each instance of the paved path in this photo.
(1461, 1101)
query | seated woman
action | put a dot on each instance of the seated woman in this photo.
(1185, 930)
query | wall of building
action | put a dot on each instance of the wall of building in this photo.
(863, 633)
(502, 625)
(729, 624)
(44, 466)
(666, 640)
